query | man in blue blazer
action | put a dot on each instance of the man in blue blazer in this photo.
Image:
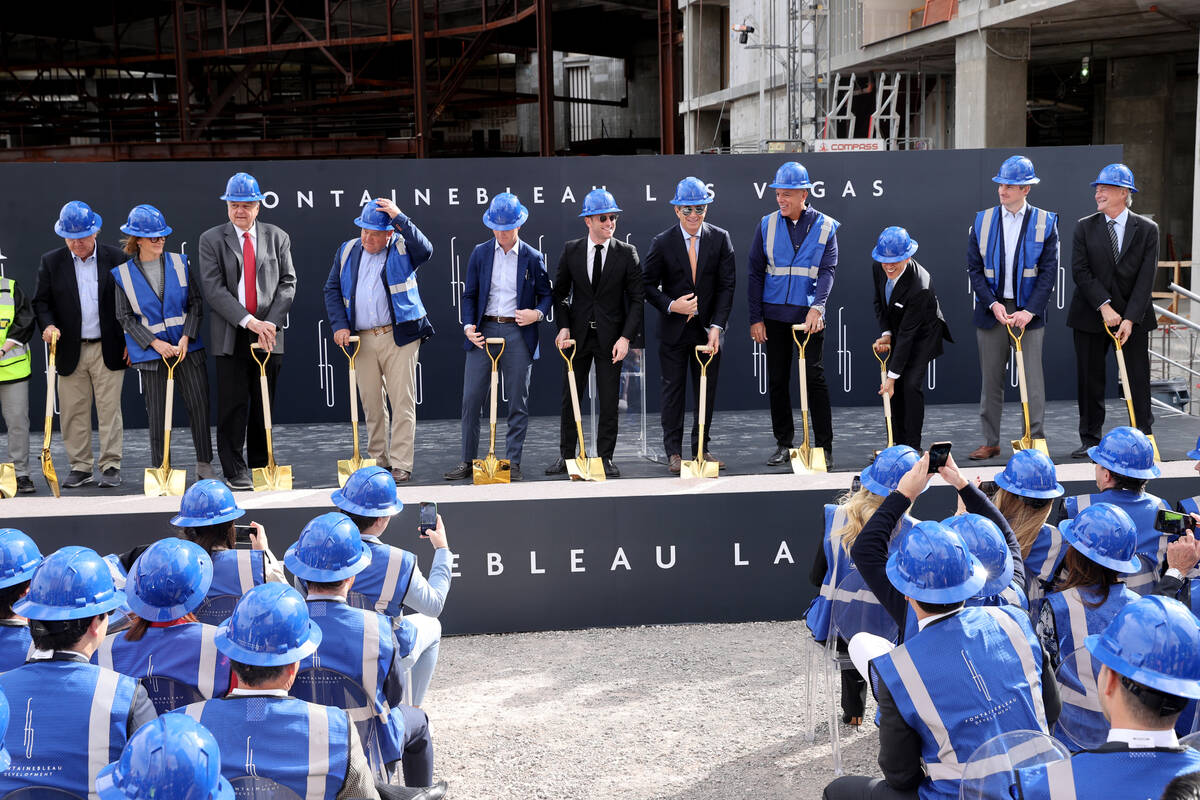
(506, 296)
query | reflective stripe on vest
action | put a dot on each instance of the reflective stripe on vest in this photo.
(982, 235)
(1060, 780)
(104, 655)
(1025, 653)
(318, 751)
(1090, 699)
(387, 592)
(832, 578)
(245, 570)
(208, 662)
(17, 364)
(398, 273)
(1052, 555)
(988, 223)
(947, 766)
(370, 668)
(99, 719)
(347, 248)
(128, 285)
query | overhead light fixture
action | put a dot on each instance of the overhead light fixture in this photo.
(1085, 69)
(743, 31)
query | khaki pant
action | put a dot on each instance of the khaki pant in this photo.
(91, 380)
(382, 366)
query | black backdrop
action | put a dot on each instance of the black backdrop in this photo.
(934, 194)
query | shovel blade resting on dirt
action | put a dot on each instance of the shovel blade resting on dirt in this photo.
(163, 480)
(701, 468)
(492, 469)
(1125, 389)
(581, 468)
(272, 477)
(47, 462)
(1026, 442)
(805, 458)
(348, 466)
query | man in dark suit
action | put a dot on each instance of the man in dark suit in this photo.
(507, 294)
(247, 277)
(1113, 258)
(598, 295)
(690, 276)
(912, 328)
(75, 300)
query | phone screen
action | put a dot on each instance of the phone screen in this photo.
(428, 518)
(1173, 522)
(241, 538)
(938, 453)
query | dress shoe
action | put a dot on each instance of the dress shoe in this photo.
(779, 457)
(984, 452)
(25, 485)
(610, 469)
(674, 464)
(110, 478)
(1082, 452)
(77, 478)
(514, 473)
(463, 470)
(241, 481)
(401, 475)
(710, 457)
(204, 470)
(435, 792)
(559, 467)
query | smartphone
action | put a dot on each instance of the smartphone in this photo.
(241, 539)
(989, 488)
(855, 484)
(938, 453)
(1173, 523)
(428, 518)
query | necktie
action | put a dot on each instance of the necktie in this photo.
(887, 292)
(596, 260)
(1112, 239)
(692, 256)
(249, 277)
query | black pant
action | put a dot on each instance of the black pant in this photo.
(608, 379)
(1091, 355)
(239, 407)
(908, 401)
(860, 787)
(677, 361)
(781, 365)
(191, 383)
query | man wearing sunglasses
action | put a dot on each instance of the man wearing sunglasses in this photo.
(690, 276)
(603, 279)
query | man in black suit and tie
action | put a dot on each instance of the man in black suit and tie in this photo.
(690, 276)
(1113, 258)
(75, 300)
(912, 328)
(598, 294)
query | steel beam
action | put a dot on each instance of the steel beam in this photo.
(418, 57)
(545, 80)
(666, 75)
(181, 78)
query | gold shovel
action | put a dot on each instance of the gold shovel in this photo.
(582, 468)
(272, 476)
(805, 459)
(347, 467)
(163, 480)
(47, 461)
(701, 468)
(887, 398)
(492, 469)
(1027, 442)
(1125, 388)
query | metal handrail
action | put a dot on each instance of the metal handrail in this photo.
(1175, 287)
(1154, 401)
(1173, 316)
(1174, 363)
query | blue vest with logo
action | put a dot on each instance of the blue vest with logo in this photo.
(236, 572)
(401, 279)
(990, 234)
(15, 646)
(384, 583)
(1142, 508)
(1117, 773)
(1075, 620)
(303, 746)
(966, 678)
(185, 653)
(791, 277)
(164, 318)
(68, 722)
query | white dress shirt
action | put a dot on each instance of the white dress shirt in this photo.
(253, 231)
(1011, 224)
(88, 281)
(502, 298)
(1119, 228)
(591, 255)
(370, 292)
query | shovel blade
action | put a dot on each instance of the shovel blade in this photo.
(587, 469)
(1153, 443)
(272, 478)
(800, 461)
(49, 473)
(699, 469)
(154, 484)
(8, 480)
(491, 470)
(348, 466)
(176, 482)
(816, 460)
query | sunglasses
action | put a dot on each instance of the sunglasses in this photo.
(156, 238)
(606, 217)
(688, 211)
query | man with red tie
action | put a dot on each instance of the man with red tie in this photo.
(247, 278)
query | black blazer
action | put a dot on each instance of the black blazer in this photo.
(56, 302)
(669, 275)
(617, 305)
(1126, 283)
(913, 316)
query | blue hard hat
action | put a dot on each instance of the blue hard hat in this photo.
(1030, 473)
(172, 757)
(374, 218)
(692, 192)
(1154, 641)
(792, 175)
(1195, 454)
(599, 201)
(19, 557)
(1104, 533)
(76, 220)
(329, 549)
(894, 245)
(243, 188)
(1116, 175)
(932, 564)
(270, 627)
(1126, 451)
(146, 220)
(5, 758)
(1016, 171)
(169, 580)
(505, 213)
(883, 475)
(206, 502)
(71, 583)
(369, 492)
(985, 541)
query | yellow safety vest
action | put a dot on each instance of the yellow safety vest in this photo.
(15, 364)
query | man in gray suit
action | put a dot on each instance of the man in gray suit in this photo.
(247, 277)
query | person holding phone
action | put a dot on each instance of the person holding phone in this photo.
(1025, 492)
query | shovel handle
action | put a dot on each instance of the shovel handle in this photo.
(887, 400)
(704, 362)
(262, 364)
(801, 328)
(882, 359)
(357, 340)
(487, 343)
(353, 393)
(1021, 378)
(702, 413)
(168, 411)
(1015, 336)
(1113, 335)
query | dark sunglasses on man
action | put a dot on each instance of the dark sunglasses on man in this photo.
(688, 211)
(605, 217)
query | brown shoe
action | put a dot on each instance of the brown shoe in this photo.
(711, 457)
(401, 475)
(674, 464)
(984, 452)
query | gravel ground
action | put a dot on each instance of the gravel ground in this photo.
(685, 711)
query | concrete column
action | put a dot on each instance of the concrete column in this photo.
(989, 89)
(1137, 115)
(1196, 197)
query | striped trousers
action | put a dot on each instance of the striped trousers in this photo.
(191, 385)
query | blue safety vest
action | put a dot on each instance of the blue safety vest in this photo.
(1013, 596)
(990, 235)
(791, 277)
(16, 644)
(1142, 508)
(1115, 773)
(1074, 620)
(69, 720)
(966, 678)
(1045, 556)
(384, 583)
(185, 653)
(354, 638)
(303, 746)
(164, 318)
(236, 572)
(400, 275)
(1190, 505)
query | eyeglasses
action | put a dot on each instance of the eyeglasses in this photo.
(156, 239)
(688, 211)
(606, 217)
